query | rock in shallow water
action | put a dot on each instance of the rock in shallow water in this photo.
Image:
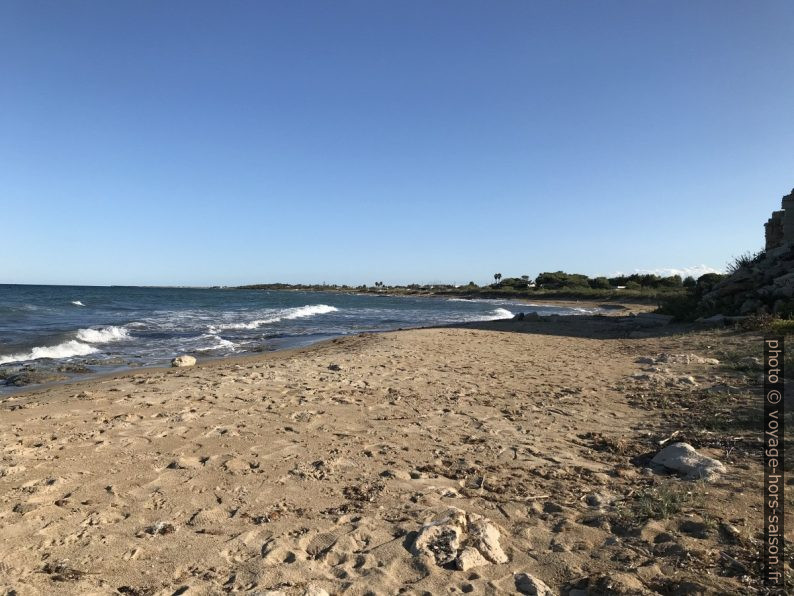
(183, 360)
(32, 377)
(682, 458)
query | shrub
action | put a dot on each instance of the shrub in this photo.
(683, 307)
(782, 327)
(707, 281)
(600, 283)
(661, 502)
(785, 310)
(744, 261)
(647, 280)
(673, 281)
(515, 282)
(757, 322)
(560, 279)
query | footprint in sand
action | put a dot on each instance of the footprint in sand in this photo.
(131, 554)
(210, 518)
(187, 463)
(277, 551)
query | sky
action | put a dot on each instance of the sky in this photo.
(221, 143)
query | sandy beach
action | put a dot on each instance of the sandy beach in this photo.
(315, 469)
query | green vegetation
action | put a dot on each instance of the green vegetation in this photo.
(771, 324)
(781, 327)
(661, 502)
(687, 304)
(645, 288)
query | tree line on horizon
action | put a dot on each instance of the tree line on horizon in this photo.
(556, 281)
(560, 280)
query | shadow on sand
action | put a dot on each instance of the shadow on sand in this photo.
(586, 326)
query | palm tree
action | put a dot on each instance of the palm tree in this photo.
(497, 277)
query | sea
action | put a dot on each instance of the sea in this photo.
(94, 330)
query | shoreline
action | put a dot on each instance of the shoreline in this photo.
(616, 310)
(608, 300)
(208, 363)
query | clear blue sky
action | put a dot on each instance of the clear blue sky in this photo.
(230, 142)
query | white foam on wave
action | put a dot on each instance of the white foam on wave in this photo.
(298, 312)
(309, 311)
(499, 313)
(219, 343)
(103, 335)
(249, 325)
(77, 303)
(64, 350)
(74, 347)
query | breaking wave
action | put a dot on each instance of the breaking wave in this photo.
(102, 336)
(64, 350)
(298, 312)
(74, 347)
(77, 303)
(499, 313)
(218, 343)
(309, 311)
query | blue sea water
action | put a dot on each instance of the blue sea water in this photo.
(115, 327)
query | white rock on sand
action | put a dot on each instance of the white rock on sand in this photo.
(685, 359)
(470, 557)
(440, 538)
(469, 539)
(183, 360)
(529, 584)
(484, 536)
(684, 459)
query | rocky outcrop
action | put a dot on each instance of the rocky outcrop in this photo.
(764, 284)
(26, 376)
(774, 230)
(780, 227)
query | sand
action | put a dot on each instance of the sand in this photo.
(314, 469)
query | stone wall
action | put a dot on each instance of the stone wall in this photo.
(780, 227)
(774, 231)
